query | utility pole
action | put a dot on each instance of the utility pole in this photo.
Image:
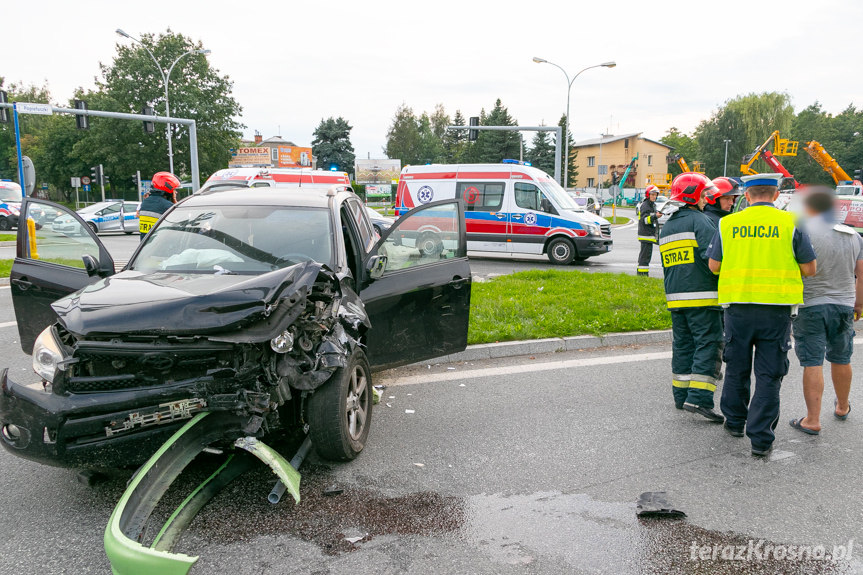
(102, 180)
(725, 166)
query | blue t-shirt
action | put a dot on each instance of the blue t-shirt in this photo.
(803, 250)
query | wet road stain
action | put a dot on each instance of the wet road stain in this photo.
(241, 512)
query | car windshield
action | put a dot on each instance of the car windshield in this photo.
(237, 240)
(580, 201)
(559, 195)
(9, 195)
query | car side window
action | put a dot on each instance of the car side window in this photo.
(423, 238)
(113, 208)
(64, 241)
(481, 196)
(361, 221)
(530, 197)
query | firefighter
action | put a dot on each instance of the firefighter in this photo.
(760, 256)
(647, 217)
(691, 293)
(721, 202)
(158, 201)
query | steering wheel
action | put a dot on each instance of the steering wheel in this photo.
(293, 257)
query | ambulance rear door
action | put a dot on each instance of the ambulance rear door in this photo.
(486, 219)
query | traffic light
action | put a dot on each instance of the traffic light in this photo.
(94, 175)
(4, 112)
(135, 181)
(858, 175)
(81, 122)
(149, 127)
(472, 135)
(614, 178)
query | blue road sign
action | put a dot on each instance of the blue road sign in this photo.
(86, 187)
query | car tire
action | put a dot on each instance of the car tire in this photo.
(560, 251)
(378, 230)
(430, 244)
(4, 224)
(580, 258)
(93, 227)
(336, 408)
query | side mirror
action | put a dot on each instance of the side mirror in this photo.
(376, 266)
(91, 265)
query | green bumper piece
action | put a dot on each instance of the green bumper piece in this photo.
(125, 529)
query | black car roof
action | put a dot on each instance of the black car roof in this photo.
(312, 197)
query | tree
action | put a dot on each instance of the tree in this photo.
(573, 155)
(455, 141)
(403, 137)
(541, 153)
(745, 120)
(492, 145)
(682, 144)
(431, 150)
(33, 128)
(332, 144)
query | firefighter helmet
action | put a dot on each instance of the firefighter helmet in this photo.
(724, 187)
(689, 186)
(651, 189)
(165, 182)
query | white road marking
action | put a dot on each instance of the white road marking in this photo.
(528, 368)
(5, 287)
(8, 323)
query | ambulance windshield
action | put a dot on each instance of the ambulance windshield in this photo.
(560, 197)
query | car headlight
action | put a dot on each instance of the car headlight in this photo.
(593, 229)
(47, 355)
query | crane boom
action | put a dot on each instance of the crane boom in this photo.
(761, 152)
(831, 166)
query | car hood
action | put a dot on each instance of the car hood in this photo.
(584, 216)
(135, 302)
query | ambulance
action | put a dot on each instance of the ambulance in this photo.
(274, 177)
(509, 208)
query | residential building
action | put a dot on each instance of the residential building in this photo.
(615, 152)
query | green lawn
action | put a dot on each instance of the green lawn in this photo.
(552, 303)
(8, 237)
(616, 219)
(5, 267)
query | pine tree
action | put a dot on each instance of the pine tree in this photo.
(541, 153)
(495, 146)
(455, 141)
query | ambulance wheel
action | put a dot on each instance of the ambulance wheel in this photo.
(340, 411)
(561, 251)
(4, 224)
(580, 258)
(430, 244)
(93, 227)
(128, 233)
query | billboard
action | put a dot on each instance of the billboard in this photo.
(249, 157)
(377, 171)
(379, 191)
(294, 157)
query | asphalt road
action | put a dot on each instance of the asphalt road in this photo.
(520, 465)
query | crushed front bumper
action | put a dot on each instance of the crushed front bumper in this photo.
(104, 430)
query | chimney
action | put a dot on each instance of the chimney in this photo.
(258, 137)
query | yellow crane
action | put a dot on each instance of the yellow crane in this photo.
(831, 166)
(663, 181)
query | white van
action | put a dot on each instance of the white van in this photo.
(275, 177)
(509, 208)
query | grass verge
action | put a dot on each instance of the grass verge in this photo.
(8, 237)
(551, 303)
(5, 267)
(617, 219)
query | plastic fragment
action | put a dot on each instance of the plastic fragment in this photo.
(409, 411)
(333, 490)
(655, 504)
(353, 540)
(420, 465)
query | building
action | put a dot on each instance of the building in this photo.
(615, 153)
(274, 152)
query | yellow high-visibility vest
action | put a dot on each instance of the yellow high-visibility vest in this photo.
(758, 264)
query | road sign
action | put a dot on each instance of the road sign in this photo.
(85, 180)
(86, 187)
(40, 109)
(76, 182)
(44, 185)
(603, 170)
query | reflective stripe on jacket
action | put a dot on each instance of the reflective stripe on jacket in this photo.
(683, 244)
(758, 263)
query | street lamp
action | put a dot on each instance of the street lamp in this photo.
(725, 166)
(568, 88)
(166, 78)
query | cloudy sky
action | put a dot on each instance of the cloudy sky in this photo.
(294, 63)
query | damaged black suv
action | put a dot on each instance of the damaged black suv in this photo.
(272, 304)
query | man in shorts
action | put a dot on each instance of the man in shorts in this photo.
(833, 300)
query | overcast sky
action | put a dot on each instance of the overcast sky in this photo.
(293, 63)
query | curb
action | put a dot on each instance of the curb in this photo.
(8, 244)
(553, 344)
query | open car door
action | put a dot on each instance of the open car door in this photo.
(50, 262)
(417, 287)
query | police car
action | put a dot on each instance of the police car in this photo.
(108, 216)
(10, 204)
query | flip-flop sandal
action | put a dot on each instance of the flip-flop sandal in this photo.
(795, 423)
(836, 415)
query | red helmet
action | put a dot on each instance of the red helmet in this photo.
(651, 189)
(165, 182)
(688, 187)
(724, 187)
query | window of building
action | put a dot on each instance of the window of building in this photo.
(591, 161)
(274, 154)
(481, 196)
(649, 160)
(590, 182)
(626, 142)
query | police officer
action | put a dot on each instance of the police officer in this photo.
(647, 229)
(159, 200)
(760, 256)
(721, 202)
(690, 289)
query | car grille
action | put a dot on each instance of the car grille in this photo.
(606, 230)
(112, 366)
